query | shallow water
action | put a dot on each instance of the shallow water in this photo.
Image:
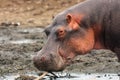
(73, 76)
(30, 30)
(21, 35)
(9, 77)
(24, 41)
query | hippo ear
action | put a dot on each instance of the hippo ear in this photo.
(72, 22)
(69, 18)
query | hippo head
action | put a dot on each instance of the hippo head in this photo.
(66, 38)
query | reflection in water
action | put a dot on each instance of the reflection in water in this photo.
(10, 77)
(73, 76)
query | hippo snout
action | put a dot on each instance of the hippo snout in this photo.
(48, 62)
(42, 61)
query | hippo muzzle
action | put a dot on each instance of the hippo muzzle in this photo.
(49, 61)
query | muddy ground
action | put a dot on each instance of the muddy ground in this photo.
(18, 43)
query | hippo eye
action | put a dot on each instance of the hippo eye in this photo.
(47, 32)
(60, 33)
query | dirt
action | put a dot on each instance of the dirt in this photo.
(32, 12)
(21, 37)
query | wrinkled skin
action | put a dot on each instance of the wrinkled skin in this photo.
(63, 44)
(76, 31)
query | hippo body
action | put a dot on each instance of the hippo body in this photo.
(92, 24)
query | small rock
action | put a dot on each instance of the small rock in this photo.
(15, 24)
(6, 24)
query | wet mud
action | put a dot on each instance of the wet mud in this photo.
(18, 45)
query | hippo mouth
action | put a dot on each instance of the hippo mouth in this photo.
(66, 58)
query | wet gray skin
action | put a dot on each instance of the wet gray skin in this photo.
(57, 53)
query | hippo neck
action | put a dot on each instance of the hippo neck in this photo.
(93, 17)
(97, 17)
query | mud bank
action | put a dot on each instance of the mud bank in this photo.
(17, 46)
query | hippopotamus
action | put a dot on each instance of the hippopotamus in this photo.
(92, 24)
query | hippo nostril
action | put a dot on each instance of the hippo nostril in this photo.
(42, 59)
